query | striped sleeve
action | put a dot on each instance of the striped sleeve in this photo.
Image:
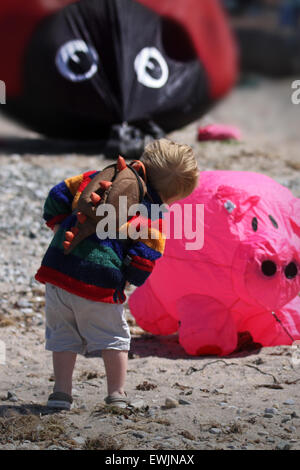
(58, 204)
(144, 252)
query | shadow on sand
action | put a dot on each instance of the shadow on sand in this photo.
(44, 146)
(8, 411)
(110, 148)
(169, 347)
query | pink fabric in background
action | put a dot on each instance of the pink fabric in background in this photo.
(251, 224)
(218, 132)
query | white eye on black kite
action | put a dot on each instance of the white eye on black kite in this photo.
(77, 61)
(151, 68)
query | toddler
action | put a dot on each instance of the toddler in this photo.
(83, 313)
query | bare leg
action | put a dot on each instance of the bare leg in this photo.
(63, 366)
(115, 363)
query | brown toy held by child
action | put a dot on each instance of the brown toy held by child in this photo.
(106, 187)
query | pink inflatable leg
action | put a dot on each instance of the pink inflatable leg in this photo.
(291, 311)
(273, 330)
(206, 326)
(149, 313)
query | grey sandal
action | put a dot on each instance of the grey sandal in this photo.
(117, 400)
(60, 401)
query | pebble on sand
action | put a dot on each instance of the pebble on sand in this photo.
(171, 403)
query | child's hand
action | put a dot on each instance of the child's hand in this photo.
(55, 228)
(127, 284)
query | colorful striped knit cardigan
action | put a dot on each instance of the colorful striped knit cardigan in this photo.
(95, 269)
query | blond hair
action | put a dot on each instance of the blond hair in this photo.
(171, 168)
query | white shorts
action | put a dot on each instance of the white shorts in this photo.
(83, 326)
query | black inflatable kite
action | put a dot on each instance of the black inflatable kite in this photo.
(92, 68)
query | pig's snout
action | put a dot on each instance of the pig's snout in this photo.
(269, 269)
(271, 273)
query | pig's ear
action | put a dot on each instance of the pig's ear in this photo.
(295, 216)
(236, 201)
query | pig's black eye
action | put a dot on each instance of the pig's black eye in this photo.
(254, 224)
(77, 61)
(274, 223)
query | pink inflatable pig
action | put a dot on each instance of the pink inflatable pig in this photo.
(246, 276)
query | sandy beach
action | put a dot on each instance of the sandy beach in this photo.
(248, 400)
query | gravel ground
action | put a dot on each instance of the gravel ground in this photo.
(249, 400)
